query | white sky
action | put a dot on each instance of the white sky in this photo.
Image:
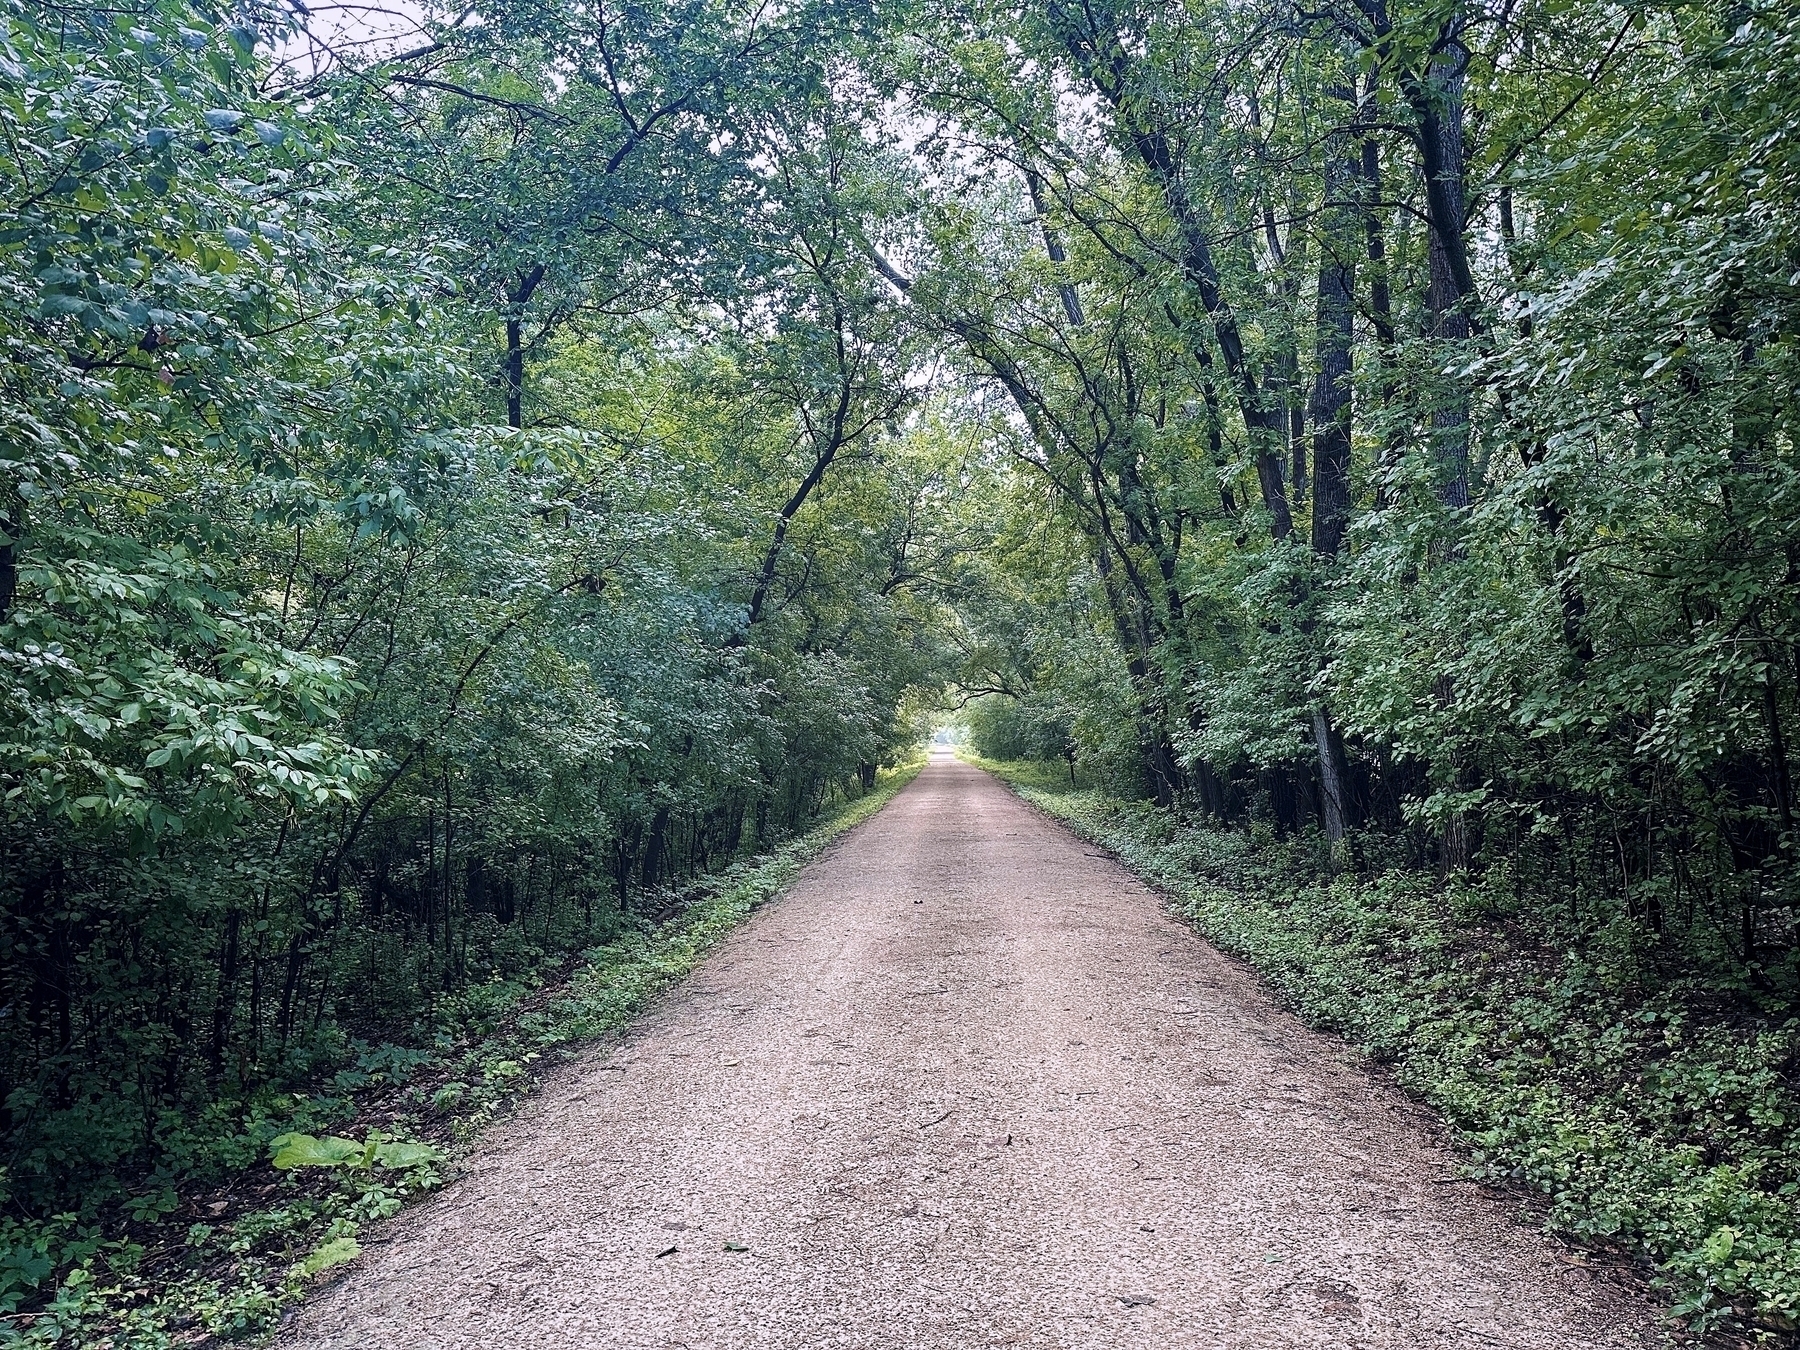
(359, 29)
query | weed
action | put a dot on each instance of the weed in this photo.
(176, 1265)
(1652, 1116)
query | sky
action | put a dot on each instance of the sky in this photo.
(360, 28)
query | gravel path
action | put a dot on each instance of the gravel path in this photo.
(967, 1085)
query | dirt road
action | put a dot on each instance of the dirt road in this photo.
(966, 1085)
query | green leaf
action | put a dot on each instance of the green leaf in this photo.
(400, 1155)
(333, 1253)
(1716, 1250)
(304, 1150)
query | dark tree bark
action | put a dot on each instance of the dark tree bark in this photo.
(1053, 249)
(1435, 98)
(515, 344)
(654, 847)
(1264, 418)
(1215, 430)
(1333, 409)
(1332, 391)
(1381, 307)
(1282, 378)
(225, 1000)
(1438, 102)
(9, 571)
(1334, 777)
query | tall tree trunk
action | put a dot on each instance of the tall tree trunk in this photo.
(1436, 100)
(9, 570)
(653, 849)
(1380, 286)
(1215, 430)
(1108, 65)
(1381, 307)
(1288, 374)
(225, 999)
(1333, 777)
(1265, 419)
(1332, 412)
(1333, 395)
(515, 343)
(1451, 287)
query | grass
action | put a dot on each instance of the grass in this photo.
(230, 1261)
(1655, 1120)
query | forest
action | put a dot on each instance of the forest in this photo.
(462, 495)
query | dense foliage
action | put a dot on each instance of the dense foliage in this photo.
(1404, 393)
(421, 552)
(451, 495)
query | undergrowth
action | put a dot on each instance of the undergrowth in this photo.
(186, 1260)
(1654, 1116)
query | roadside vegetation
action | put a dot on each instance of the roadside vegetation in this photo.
(440, 536)
(280, 1191)
(1401, 567)
(459, 491)
(1569, 1056)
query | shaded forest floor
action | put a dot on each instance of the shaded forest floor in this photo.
(202, 1261)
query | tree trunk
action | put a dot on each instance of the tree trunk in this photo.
(225, 999)
(1053, 248)
(1438, 104)
(1265, 419)
(1381, 307)
(1335, 336)
(1451, 288)
(9, 571)
(653, 848)
(1332, 412)
(515, 344)
(1333, 778)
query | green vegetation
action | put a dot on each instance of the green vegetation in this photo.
(435, 537)
(1559, 1053)
(457, 493)
(1403, 396)
(226, 1259)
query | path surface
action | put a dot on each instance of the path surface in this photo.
(966, 1085)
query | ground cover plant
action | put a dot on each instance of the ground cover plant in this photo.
(456, 487)
(223, 1252)
(1653, 1117)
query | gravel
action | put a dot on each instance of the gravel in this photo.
(966, 1084)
